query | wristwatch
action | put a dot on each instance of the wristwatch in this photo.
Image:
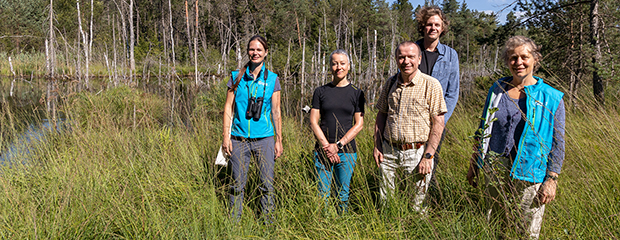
(428, 156)
(554, 178)
(339, 145)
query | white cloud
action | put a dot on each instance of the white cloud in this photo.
(519, 14)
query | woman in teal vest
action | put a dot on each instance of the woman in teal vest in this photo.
(520, 142)
(253, 127)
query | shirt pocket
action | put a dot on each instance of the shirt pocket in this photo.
(419, 109)
(441, 70)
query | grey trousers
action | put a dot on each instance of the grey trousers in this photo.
(243, 150)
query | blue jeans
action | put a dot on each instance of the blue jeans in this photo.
(243, 150)
(343, 172)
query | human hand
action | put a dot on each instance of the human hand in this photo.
(425, 166)
(332, 152)
(378, 155)
(546, 193)
(472, 175)
(278, 149)
(227, 145)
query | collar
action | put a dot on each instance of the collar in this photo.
(414, 80)
(539, 82)
(440, 47)
(260, 74)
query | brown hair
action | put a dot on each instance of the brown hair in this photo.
(518, 41)
(427, 12)
(263, 42)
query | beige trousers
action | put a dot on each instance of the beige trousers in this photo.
(511, 202)
(407, 161)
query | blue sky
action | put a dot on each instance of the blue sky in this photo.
(487, 6)
(480, 5)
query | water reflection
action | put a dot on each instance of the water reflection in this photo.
(19, 149)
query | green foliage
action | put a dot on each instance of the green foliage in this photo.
(108, 179)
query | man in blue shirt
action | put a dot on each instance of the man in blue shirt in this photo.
(439, 61)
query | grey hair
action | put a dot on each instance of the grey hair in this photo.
(341, 52)
(518, 41)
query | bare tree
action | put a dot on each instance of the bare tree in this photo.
(189, 41)
(132, 60)
(597, 83)
(196, 45)
(84, 44)
(51, 59)
(172, 38)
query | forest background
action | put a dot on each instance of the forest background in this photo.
(134, 92)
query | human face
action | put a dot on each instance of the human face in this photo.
(340, 66)
(256, 52)
(408, 58)
(521, 62)
(433, 28)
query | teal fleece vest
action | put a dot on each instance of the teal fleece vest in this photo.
(534, 147)
(248, 128)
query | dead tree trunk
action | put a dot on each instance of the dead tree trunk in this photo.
(196, 45)
(597, 83)
(172, 38)
(132, 39)
(189, 41)
(84, 45)
(51, 60)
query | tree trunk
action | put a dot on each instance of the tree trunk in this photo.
(597, 83)
(174, 65)
(392, 69)
(51, 58)
(196, 45)
(303, 78)
(52, 50)
(114, 46)
(84, 46)
(189, 41)
(132, 37)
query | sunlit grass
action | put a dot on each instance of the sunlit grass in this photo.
(114, 175)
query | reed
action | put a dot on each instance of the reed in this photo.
(108, 177)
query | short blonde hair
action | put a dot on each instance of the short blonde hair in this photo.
(518, 41)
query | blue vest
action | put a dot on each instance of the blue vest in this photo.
(248, 128)
(533, 149)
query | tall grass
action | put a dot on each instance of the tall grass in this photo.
(114, 175)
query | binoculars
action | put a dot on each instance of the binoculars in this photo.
(255, 106)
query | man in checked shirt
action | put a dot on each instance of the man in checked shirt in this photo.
(409, 125)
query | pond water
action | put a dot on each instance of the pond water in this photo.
(23, 115)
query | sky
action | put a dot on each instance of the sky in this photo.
(487, 6)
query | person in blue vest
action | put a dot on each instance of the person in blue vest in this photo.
(252, 127)
(337, 116)
(520, 142)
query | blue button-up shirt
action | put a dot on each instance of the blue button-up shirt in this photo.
(446, 70)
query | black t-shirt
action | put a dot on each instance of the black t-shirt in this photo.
(338, 106)
(428, 62)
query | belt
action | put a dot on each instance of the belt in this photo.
(241, 139)
(406, 146)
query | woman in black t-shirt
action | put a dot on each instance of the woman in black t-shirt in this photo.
(336, 118)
